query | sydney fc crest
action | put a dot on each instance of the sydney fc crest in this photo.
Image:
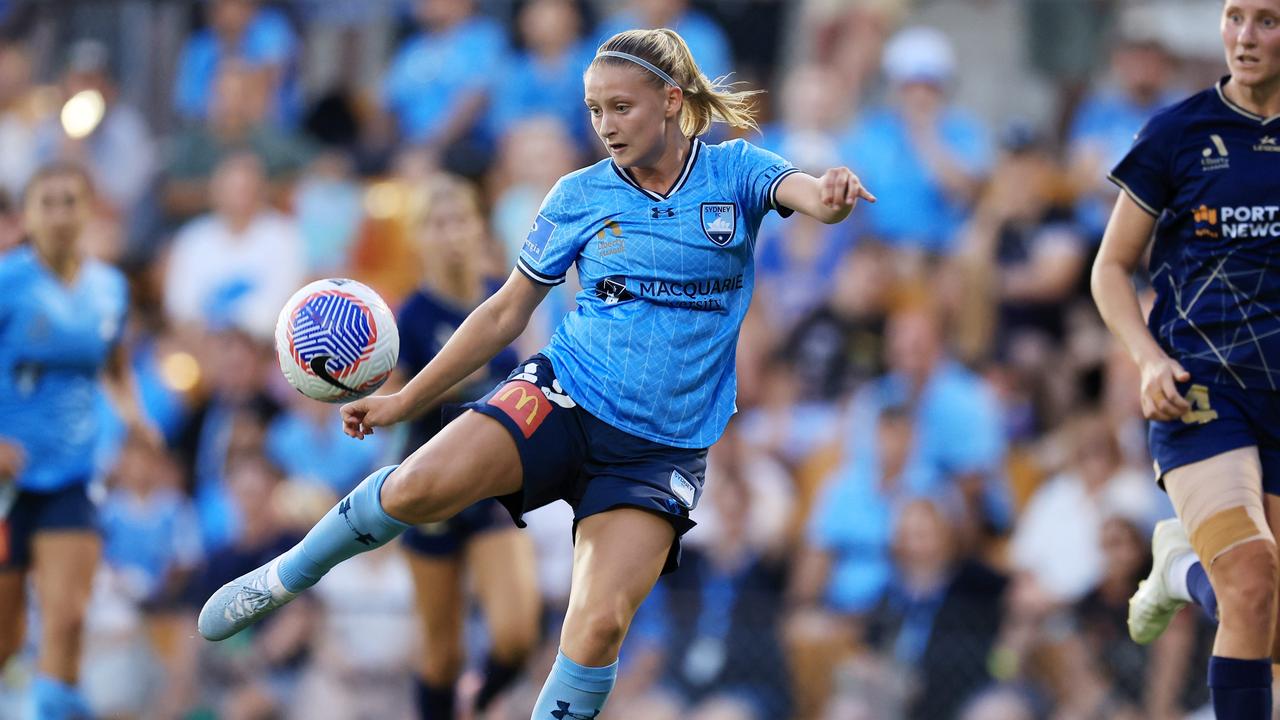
(719, 220)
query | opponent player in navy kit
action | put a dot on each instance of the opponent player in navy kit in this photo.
(1205, 176)
(616, 414)
(61, 317)
(481, 541)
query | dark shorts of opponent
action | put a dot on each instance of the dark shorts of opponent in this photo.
(1222, 418)
(568, 454)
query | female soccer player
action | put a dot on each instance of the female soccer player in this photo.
(616, 414)
(61, 316)
(481, 540)
(1205, 176)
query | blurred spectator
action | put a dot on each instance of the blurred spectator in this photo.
(1069, 510)
(307, 443)
(941, 614)
(329, 202)
(21, 113)
(840, 344)
(384, 256)
(11, 230)
(1022, 255)
(709, 632)
(958, 424)
(364, 644)
(848, 36)
(117, 150)
(440, 80)
(236, 266)
(783, 424)
(841, 575)
(1163, 679)
(812, 112)
(795, 266)
(532, 156)
(257, 676)
(236, 124)
(1139, 82)
(706, 39)
(231, 420)
(239, 30)
(545, 77)
(923, 157)
(151, 535)
(1001, 702)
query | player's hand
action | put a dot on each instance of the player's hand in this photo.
(359, 418)
(841, 189)
(1160, 397)
(12, 459)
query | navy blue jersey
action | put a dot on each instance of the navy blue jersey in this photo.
(666, 280)
(1209, 171)
(55, 338)
(426, 321)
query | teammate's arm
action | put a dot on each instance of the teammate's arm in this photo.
(1123, 243)
(486, 331)
(122, 389)
(829, 198)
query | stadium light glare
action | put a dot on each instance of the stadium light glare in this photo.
(180, 371)
(82, 113)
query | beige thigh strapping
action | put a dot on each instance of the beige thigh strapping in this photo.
(1219, 501)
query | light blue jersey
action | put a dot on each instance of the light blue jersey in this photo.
(54, 343)
(666, 278)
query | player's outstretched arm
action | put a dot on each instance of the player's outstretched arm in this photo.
(829, 198)
(1126, 238)
(486, 331)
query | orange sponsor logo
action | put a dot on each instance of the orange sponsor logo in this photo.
(523, 402)
(1208, 216)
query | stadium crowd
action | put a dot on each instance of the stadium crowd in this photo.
(936, 497)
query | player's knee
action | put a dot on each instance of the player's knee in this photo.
(1245, 583)
(600, 629)
(512, 642)
(442, 662)
(415, 493)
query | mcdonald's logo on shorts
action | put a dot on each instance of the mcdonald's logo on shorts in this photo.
(523, 402)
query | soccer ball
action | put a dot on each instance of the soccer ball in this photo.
(336, 340)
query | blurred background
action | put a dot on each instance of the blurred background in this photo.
(936, 497)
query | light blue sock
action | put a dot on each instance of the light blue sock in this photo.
(356, 524)
(574, 692)
(53, 699)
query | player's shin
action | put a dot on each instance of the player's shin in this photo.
(356, 524)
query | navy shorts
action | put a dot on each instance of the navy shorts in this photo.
(446, 539)
(67, 509)
(568, 454)
(1222, 418)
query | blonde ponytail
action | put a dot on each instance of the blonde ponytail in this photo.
(705, 101)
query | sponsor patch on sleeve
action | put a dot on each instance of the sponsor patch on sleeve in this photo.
(539, 235)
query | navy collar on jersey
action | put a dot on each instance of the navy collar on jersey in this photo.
(625, 174)
(1227, 101)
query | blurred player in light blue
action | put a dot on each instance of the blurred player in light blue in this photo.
(61, 317)
(615, 415)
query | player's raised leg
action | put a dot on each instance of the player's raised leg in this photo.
(1177, 578)
(473, 458)
(618, 556)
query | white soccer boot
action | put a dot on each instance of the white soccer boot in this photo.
(1152, 607)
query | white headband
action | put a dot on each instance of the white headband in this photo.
(642, 63)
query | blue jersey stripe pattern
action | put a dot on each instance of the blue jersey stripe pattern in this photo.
(666, 281)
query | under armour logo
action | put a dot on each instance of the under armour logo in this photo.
(361, 537)
(562, 712)
(657, 212)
